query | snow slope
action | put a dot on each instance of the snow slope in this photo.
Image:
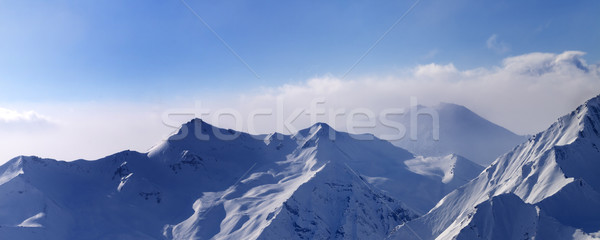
(552, 180)
(461, 132)
(452, 170)
(205, 182)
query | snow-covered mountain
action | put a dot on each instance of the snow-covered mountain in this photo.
(461, 132)
(205, 182)
(546, 188)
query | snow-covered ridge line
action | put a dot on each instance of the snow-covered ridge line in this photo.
(554, 172)
(318, 183)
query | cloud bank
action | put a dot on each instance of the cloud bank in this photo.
(8, 115)
(70, 131)
(525, 93)
(13, 121)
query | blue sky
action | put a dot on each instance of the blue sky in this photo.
(153, 50)
(84, 79)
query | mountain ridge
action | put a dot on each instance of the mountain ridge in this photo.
(553, 171)
(185, 188)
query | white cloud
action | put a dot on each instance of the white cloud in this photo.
(436, 71)
(79, 130)
(498, 46)
(525, 93)
(542, 63)
(23, 121)
(12, 116)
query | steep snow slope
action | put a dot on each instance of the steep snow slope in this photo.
(385, 167)
(555, 172)
(320, 190)
(272, 193)
(461, 131)
(493, 220)
(205, 182)
(337, 204)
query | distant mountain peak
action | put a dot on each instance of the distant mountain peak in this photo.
(322, 125)
(451, 106)
(461, 131)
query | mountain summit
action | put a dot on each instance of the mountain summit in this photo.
(461, 131)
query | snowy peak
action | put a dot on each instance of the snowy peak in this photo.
(323, 126)
(581, 123)
(318, 130)
(461, 117)
(11, 169)
(201, 130)
(206, 141)
(454, 108)
(574, 142)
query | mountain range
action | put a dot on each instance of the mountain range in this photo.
(205, 182)
(317, 183)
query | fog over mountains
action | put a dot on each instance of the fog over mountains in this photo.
(461, 131)
(210, 183)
